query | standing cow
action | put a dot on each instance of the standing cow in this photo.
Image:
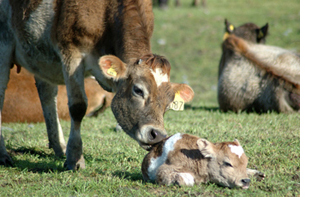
(254, 76)
(63, 41)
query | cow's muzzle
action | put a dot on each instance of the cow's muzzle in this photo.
(150, 135)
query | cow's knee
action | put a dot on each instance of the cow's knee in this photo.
(77, 111)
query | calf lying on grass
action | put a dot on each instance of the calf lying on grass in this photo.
(22, 104)
(185, 159)
(254, 76)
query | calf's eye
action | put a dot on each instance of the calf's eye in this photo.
(228, 164)
(137, 91)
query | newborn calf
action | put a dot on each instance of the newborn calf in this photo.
(186, 159)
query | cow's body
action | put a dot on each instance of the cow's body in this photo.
(185, 159)
(61, 42)
(257, 77)
(21, 102)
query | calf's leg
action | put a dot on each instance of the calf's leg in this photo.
(167, 175)
(47, 95)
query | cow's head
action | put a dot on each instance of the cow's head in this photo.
(143, 94)
(248, 31)
(226, 163)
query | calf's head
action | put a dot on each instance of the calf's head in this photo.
(248, 31)
(143, 94)
(227, 163)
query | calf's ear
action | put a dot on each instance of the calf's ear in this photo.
(206, 148)
(112, 67)
(184, 91)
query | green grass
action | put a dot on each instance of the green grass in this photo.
(113, 160)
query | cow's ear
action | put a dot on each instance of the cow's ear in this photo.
(262, 32)
(112, 66)
(206, 148)
(184, 91)
(229, 28)
(183, 94)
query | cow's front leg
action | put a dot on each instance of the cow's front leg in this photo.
(73, 70)
(256, 174)
(5, 158)
(48, 94)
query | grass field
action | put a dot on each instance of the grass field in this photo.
(190, 38)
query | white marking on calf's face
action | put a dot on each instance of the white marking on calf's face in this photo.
(238, 150)
(159, 76)
(188, 178)
(155, 163)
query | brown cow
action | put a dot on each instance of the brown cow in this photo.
(21, 102)
(185, 159)
(254, 76)
(63, 41)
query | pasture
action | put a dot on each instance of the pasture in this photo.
(190, 38)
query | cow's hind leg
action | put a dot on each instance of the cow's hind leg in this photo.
(167, 175)
(47, 94)
(73, 71)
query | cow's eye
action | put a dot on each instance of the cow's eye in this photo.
(137, 91)
(228, 164)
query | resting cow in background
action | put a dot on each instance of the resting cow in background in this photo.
(61, 42)
(22, 104)
(254, 76)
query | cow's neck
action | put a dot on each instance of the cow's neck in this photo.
(137, 29)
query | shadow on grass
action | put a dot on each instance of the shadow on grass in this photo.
(212, 109)
(135, 176)
(36, 167)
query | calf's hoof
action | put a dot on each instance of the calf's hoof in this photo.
(6, 160)
(74, 165)
(259, 176)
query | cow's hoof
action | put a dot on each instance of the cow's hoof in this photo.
(259, 176)
(80, 164)
(6, 160)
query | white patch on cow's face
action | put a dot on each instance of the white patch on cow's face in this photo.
(155, 163)
(238, 150)
(188, 178)
(159, 76)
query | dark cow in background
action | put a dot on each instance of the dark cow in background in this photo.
(61, 42)
(21, 102)
(254, 76)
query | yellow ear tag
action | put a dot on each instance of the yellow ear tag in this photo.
(178, 103)
(225, 36)
(112, 72)
(231, 27)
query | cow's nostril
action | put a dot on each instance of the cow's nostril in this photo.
(246, 181)
(152, 135)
